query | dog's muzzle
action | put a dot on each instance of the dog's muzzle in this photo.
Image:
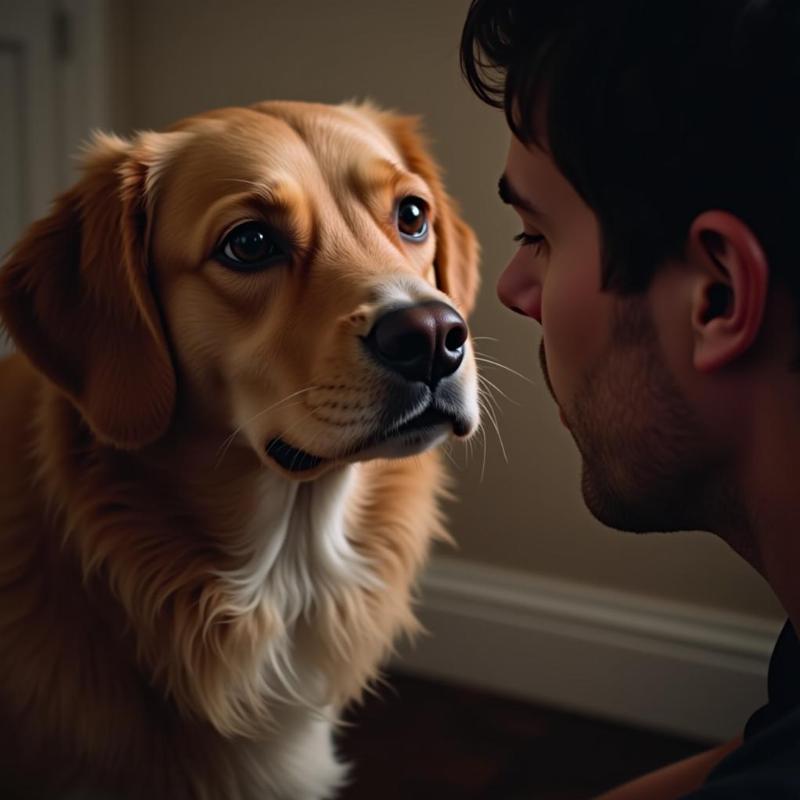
(420, 345)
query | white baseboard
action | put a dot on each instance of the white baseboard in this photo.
(656, 664)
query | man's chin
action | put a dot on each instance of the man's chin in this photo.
(609, 507)
(652, 513)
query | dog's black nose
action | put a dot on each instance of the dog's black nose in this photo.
(423, 342)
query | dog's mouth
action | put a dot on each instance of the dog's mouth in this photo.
(291, 458)
(418, 432)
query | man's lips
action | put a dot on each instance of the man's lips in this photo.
(292, 459)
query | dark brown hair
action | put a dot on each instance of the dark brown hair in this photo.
(654, 110)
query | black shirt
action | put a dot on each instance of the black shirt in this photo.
(767, 765)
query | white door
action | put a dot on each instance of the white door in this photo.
(52, 92)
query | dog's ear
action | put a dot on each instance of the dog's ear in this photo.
(75, 295)
(457, 248)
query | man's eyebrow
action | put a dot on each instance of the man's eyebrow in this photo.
(510, 196)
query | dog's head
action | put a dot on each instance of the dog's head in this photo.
(293, 272)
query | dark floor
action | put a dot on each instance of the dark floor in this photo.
(418, 740)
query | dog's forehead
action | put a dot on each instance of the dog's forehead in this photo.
(347, 131)
(303, 142)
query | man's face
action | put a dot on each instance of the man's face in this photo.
(643, 467)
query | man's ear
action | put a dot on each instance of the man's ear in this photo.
(457, 250)
(75, 295)
(729, 295)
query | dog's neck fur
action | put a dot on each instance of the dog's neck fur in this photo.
(220, 589)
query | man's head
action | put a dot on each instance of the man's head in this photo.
(655, 166)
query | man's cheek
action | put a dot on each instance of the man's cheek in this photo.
(560, 340)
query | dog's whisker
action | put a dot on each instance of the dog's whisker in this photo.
(486, 400)
(485, 393)
(483, 379)
(483, 458)
(492, 417)
(483, 359)
(268, 409)
(229, 440)
(472, 446)
(467, 449)
(447, 452)
(485, 390)
(466, 452)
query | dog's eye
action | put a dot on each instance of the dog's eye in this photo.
(412, 218)
(250, 246)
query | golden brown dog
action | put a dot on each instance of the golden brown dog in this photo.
(224, 333)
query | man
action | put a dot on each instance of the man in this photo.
(655, 166)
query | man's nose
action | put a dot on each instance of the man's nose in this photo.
(520, 292)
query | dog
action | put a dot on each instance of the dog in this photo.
(239, 342)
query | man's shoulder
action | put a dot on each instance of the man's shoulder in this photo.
(767, 764)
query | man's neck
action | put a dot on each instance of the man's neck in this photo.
(770, 482)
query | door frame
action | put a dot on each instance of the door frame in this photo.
(65, 94)
(84, 78)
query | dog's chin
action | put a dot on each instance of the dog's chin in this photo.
(403, 445)
(426, 430)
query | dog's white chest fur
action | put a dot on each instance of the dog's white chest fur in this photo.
(299, 563)
(295, 548)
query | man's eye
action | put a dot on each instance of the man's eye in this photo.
(526, 239)
(249, 247)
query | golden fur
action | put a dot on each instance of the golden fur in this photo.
(179, 617)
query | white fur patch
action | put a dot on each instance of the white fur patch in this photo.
(299, 562)
(303, 766)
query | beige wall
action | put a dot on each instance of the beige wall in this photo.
(181, 56)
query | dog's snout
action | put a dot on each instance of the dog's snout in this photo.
(423, 342)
